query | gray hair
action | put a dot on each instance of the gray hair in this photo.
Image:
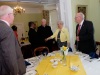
(81, 14)
(43, 19)
(4, 9)
(61, 22)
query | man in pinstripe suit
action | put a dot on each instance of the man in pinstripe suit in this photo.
(11, 59)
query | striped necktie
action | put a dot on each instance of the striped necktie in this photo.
(79, 28)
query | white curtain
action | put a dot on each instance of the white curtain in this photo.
(65, 14)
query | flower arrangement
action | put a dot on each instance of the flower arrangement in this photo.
(64, 48)
(64, 51)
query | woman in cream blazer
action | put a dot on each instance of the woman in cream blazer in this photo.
(61, 35)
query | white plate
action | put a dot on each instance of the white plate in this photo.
(74, 68)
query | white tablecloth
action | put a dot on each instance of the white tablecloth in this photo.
(91, 66)
(25, 43)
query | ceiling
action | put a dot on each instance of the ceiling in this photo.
(35, 1)
(29, 3)
(23, 4)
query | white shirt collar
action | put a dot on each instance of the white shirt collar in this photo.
(5, 22)
(81, 22)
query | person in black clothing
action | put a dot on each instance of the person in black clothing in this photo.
(44, 31)
(84, 35)
(32, 35)
(15, 31)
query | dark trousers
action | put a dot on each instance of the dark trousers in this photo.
(60, 44)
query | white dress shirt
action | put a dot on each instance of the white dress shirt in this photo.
(81, 23)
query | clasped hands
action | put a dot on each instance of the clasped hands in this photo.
(46, 39)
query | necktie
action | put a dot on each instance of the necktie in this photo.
(58, 39)
(79, 28)
(58, 36)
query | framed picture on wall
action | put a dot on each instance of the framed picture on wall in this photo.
(46, 15)
(83, 9)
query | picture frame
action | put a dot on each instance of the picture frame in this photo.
(83, 9)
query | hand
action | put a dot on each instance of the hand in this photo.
(77, 38)
(46, 39)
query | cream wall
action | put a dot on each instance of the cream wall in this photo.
(25, 18)
(31, 14)
(94, 16)
(93, 13)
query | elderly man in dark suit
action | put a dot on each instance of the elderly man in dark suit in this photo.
(11, 59)
(44, 31)
(84, 34)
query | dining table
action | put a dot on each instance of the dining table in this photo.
(43, 65)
